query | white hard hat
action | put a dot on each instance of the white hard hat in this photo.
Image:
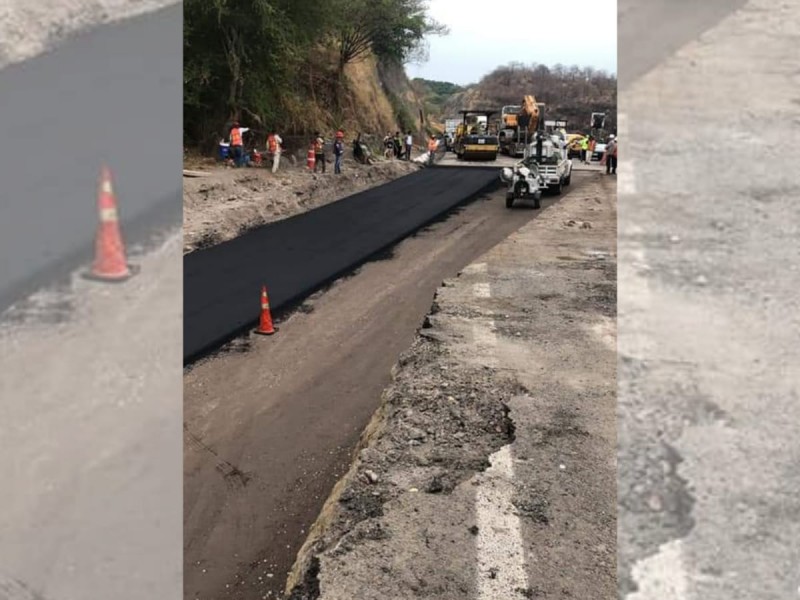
(612, 136)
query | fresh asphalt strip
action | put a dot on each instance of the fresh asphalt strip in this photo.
(297, 256)
(110, 95)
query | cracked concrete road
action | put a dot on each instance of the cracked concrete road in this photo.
(708, 325)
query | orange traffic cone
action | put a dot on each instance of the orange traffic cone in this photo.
(110, 262)
(311, 158)
(265, 326)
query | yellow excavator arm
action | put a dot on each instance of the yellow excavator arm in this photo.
(528, 116)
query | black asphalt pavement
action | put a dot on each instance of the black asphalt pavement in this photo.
(112, 95)
(296, 256)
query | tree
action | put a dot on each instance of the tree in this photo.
(393, 29)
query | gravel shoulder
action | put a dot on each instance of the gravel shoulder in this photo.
(228, 202)
(489, 469)
(90, 436)
(708, 488)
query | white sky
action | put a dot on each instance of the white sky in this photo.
(485, 34)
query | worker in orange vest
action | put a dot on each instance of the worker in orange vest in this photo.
(432, 145)
(237, 148)
(319, 152)
(274, 142)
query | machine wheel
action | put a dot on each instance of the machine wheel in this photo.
(568, 179)
(557, 189)
(509, 199)
(537, 203)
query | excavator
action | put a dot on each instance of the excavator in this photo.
(518, 127)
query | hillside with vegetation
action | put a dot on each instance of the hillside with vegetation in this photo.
(301, 66)
(570, 93)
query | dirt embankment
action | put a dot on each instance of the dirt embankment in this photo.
(228, 202)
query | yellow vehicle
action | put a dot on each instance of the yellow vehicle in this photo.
(473, 140)
(519, 126)
(574, 143)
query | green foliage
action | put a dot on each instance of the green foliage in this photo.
(280, 62)
(404, 118)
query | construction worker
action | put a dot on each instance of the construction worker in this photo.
(388, 145)
(592, 146)
(237, 148)
(274, 142)
(338, 152)
(611, 155)
(584, 148)
(319, 152)
(409, 144)
(432, 144)
(398, 145)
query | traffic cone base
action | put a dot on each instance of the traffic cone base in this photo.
(129, 272)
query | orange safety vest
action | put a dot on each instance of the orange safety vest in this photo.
(236, 137)
(272, 144)
(432, 145)
(318, 146)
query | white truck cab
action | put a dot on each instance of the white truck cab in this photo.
(554, 166)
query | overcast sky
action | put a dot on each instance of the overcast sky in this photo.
(485, 34)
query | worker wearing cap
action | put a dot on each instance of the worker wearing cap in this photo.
(338, 152)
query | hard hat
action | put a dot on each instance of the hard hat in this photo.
(611, 136)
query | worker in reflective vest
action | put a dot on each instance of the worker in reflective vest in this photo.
(319, 152)
(237, 149)
(432, 144)
(584, 148)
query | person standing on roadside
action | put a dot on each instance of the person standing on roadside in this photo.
(237, 148)
(432, 144)
(611, 155)
(338, 152)
(584, 148)
(592, 146)
(398, 145)
(409, 144)
(274, 149)
(319, 152)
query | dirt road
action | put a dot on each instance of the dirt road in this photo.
(90, 436)
(515, 371)
(709, 488)
(271, 425)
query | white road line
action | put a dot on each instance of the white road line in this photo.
(476, 269)
(501, 554)
(662, 576)
(500, 550)
(481, 290)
